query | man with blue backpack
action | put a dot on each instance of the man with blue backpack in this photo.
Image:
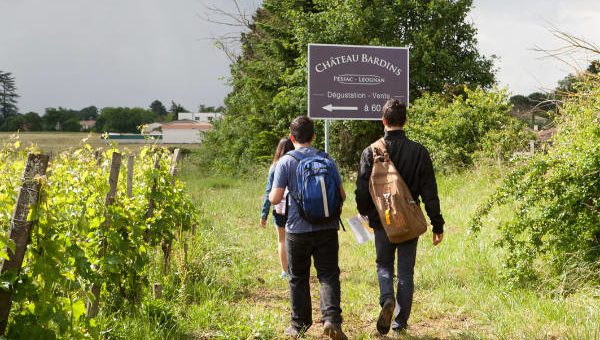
(315, 201)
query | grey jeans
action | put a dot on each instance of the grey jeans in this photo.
(386, 253)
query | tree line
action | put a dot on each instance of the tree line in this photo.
(269, 78)
(544, 104)
(107, 119)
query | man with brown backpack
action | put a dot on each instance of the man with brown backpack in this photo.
(394, 172)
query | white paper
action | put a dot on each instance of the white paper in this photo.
(360, 227)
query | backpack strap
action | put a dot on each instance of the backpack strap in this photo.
(342, 224)
(323, 154)
(296, 155)
(379, 149)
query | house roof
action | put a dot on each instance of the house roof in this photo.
(187, 124)
(88, 123)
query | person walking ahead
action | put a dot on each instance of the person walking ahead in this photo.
(279, 211)
(304, 239)
(412, 161)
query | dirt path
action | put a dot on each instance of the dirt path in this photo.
(444, 327)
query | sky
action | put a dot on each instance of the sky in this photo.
(511, 29)
(76, 53)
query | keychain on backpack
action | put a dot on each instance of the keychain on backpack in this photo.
(386, 196)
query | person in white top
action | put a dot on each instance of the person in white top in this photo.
(279, 209)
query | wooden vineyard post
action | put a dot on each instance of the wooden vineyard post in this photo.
(166, 246)
(157, 290)
(150, 211)
(113, 179)
(130, 161)
(20, 229)
(98, 156)
(175, 163)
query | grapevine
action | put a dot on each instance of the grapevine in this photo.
(77, 241)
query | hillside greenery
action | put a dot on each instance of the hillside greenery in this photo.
(555, 196)
(470, 128)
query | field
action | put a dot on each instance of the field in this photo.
(459, 290)
(228, 286)
(60, 141)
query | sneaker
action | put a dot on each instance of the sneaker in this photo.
(283, 275)
(292, 332)
(333, 331)
(385, 316)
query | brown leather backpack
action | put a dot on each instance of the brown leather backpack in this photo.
(400, 215)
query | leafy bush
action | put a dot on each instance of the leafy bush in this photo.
(556, 195)
(474, 126)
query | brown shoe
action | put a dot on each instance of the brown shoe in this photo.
(385, 316)
(334, 331)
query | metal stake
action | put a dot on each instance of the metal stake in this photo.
(327, 135)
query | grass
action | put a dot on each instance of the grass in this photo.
(232, 289)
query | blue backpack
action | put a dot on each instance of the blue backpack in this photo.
(319, 197)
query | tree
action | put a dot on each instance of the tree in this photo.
(521, 103)
(122, 119)
(568, 83)
(61, 119)
(269, 77)
(176, 108)
(88, 113)
(8, 95)
(594, 67)
(158, 108)
(33, 121)
(13, 122)
(542, 101)
(471, 128)
(204, 108)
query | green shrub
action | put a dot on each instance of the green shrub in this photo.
(556, 196)
(472, 127)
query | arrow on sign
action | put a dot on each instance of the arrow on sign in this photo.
(344, 108)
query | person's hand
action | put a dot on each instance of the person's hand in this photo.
(437, 238)
(263, 222)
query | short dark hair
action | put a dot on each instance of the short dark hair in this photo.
(394, 112)
(302, 129)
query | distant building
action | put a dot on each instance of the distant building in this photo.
(87, 125)
(185, 131)
(200, 116)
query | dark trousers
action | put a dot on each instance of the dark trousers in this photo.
(386, 253)
(323, 247)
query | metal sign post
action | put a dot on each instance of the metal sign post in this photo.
(353, 82)
(327, 136)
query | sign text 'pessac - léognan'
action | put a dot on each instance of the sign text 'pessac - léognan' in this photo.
(353, 82)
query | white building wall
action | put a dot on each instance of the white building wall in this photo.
(181, 136)
(199, 116)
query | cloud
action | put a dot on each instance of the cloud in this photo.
(511, 29)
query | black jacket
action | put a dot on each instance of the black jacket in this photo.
(412, 161)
